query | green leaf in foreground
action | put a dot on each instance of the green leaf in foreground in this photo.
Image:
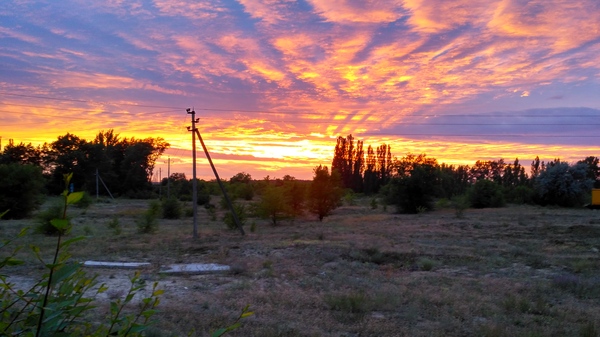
(74, 197)
(60, 223)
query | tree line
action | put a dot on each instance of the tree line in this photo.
(125, 165)
(412, 182)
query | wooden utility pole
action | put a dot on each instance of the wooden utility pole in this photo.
(168, 177)
(194, 182)
(195, 133)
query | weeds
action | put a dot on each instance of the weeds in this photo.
(460, 205)
(115, 226)
(589, 330)
(171, 208)
(373, 204)
(147, 223)
(426, 264)
(350, 306)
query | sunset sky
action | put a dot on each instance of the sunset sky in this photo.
(274, 83)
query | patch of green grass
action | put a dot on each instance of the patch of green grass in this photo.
(426, 264)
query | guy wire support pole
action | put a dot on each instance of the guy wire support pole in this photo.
(194, 183)
(233, 213)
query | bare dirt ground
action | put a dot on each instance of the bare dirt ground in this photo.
(513, 271)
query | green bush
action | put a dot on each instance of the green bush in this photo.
(240, 211)
(44, 218)
(171, 208)
(147, 223)
(486, 193)
(520, 195)
(115, 226)
(413, 193)
(85, 202)
(21, 189)
(564, 185)
(460, 204)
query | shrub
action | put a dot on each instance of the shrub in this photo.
(520, 195)
(272, 204)
(373, 203)
(115, 225)
(460, 205)
(171, 208)
(486, 193)
(45, 217)
(426, 264)
(324, 192)
(348, 307)
(85, 202)
(147, 223)
(413, 193)
(20, 189)
(240, 211)
(563, 185)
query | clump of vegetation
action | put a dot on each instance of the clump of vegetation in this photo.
(212, 211)
(426, 264)
(373, 204)
(242, 215)
(460, 204)
(486, 193)
(325, 192)
(520, 195)
(57, 304)
(348, 306)
(147, 222)
(412, 193)
(85, 202)
(273, 205)
(115, 226)
(562, 184)
(45, 217)
(20, 189)
(171, 208)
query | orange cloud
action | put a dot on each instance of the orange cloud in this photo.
(562, 25)
(352, 11)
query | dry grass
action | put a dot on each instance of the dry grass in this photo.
(515, 271)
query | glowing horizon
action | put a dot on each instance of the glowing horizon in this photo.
(274, 83)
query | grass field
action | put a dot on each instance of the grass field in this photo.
(514, 271)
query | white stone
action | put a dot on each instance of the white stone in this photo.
(124, 265)
(195, 268)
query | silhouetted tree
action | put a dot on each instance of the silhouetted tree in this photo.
(22, 154)
(384, 163)
(371, 180)
(563, 184)
(413, 192)
(325, 192)
(21, 189)
(593, 169)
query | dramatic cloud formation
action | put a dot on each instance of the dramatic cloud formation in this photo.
(274, 82)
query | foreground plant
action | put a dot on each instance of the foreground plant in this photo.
(59, 303)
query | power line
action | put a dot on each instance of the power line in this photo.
(86, 101)
(334, 122)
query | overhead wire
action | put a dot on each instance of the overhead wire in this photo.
(115, 116)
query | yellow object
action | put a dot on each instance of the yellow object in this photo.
(596, 197)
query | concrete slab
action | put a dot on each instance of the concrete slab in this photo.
(120, 265)
(195, 268)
